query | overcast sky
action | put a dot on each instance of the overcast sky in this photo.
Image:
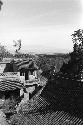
(42, 25)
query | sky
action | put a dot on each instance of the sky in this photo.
(44, 26)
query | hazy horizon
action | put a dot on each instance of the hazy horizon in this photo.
(44, 26)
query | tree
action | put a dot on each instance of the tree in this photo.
(4, 52)
(78, 40)
(1, 3)
(75, 64)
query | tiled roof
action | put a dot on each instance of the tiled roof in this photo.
(10, 85)
(26, 64)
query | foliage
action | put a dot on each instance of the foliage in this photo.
(77, 39)
(75, 65)
(77, 54)
(1, 3)
(51, 64)
(4, 52)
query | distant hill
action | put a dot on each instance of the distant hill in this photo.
(55, 55)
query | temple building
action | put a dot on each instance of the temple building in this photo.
(18, 76)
